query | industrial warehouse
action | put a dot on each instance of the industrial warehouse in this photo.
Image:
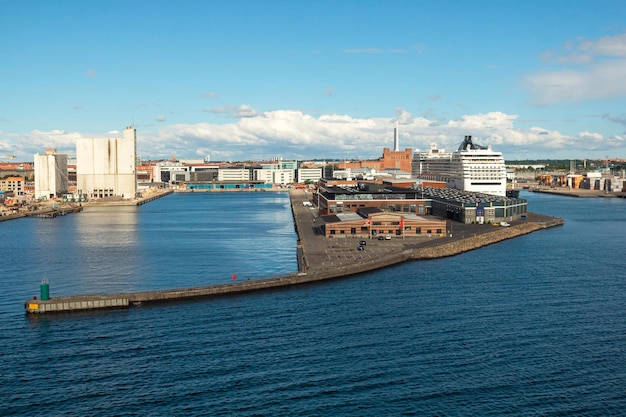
(368, 209)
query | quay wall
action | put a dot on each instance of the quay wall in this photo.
(74, 303)
(79, 303)
(153, 197)
(579, 192)
(443, 247)
(475, 242)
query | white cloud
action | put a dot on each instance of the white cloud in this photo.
(403, 116)
(160, 118)
(295, 134)
(616, 141)
(226, 109)
(492, 120)
(245, 110)
(601, 80)
(594, 69)
(210, 95)
(609, 46)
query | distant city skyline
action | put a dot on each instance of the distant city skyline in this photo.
(255, 80)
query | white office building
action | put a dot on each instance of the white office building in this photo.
(309, 174)
(275, 176)
(106, 167)
(50, 174)
(233, 174)
(170, 172)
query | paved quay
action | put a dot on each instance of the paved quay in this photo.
(324, 256)
(319, 259)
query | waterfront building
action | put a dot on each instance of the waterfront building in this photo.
(51, 174)
(145, 173)
(204, 173)
(170, 172)
(17, 169)
(336, 198)
(363, 173)
(471, 168)
(420, 199)
(227, 186)
(280, 164)
(107, 167)
(233, 174)
(17, 185)
(308, 174)
(468, 207)
(275, 176)
(343, 174)
(375, 223)
(396, 159)
(395, 173)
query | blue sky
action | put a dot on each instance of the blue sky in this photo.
(242, 80)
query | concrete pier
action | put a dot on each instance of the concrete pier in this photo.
(66, 304)
(119, 201)
(152, 197)
(319, 258)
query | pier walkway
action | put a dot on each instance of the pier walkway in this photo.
(319, 259)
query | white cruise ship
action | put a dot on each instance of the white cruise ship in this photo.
(471, 168)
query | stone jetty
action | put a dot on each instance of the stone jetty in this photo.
(319, 258)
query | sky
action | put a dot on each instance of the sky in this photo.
(257, 80)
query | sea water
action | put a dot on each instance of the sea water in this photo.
(535, 325)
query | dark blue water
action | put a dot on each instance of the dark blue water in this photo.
(531, 326)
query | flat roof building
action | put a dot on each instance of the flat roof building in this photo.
(461, 206)
(51, 174)
(107, 167)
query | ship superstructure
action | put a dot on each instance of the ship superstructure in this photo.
(433, 164)
(471, 168)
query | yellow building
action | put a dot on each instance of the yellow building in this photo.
(15, 184)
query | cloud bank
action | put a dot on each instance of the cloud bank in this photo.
(586, 70)
(294, 134)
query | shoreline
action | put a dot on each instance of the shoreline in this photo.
(579, 193)
(316, 261)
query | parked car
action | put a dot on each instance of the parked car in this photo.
(362, 243)
(388, 237)
(360, 247)
(381, 237)
(504, 224)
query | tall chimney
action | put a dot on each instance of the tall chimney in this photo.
(396, 143)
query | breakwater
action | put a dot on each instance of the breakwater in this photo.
(475, 242)
(311, 264)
